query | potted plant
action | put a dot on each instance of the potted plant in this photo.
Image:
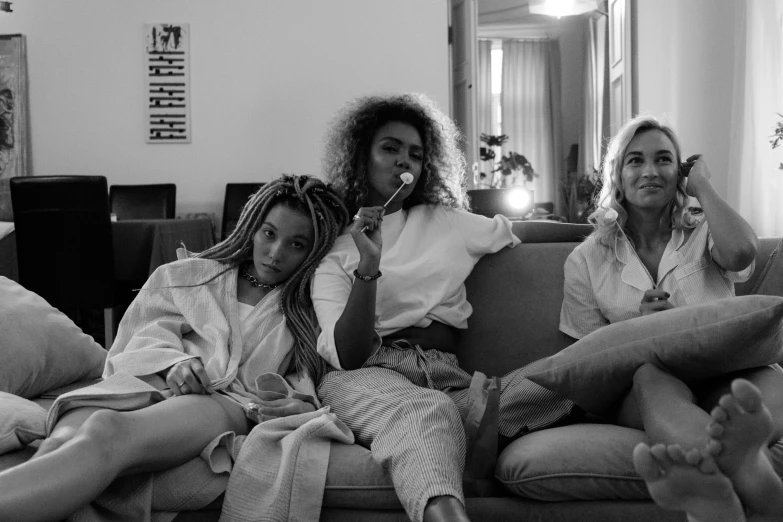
(777, 137)
(514, 168)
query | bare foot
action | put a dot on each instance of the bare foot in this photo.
(739, 430)
(689, 482)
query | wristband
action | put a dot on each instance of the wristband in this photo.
(366, 278)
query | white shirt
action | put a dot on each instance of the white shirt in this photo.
(604, 286)
(428, 252)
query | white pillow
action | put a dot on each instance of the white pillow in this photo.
(21, 422)
(40, 347)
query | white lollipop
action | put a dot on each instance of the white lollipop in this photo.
(406, 178)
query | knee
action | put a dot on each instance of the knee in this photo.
(103, 432)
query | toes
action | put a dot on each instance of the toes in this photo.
(660, 452)
(715, 430)
(693, 456)
(747, 395)
(718, 414)
(645, 463)
(714, 447)
(675, 453)
(731, 405)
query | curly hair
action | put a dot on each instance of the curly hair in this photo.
(347, 149)
(326, 210)
(612, 195)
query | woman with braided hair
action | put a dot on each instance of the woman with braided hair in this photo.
(191, 354)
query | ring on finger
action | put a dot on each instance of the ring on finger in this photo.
(357, 216)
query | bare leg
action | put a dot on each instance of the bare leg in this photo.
(665, 408)
(688, 482)
(64, 430)
(110, 444)
(740, 431)
(445, 509)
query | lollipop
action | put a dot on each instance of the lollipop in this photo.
(406, 178)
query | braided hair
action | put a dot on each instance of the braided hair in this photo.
(318, 201)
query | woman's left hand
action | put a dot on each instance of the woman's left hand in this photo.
(698, 177)
(278, 408)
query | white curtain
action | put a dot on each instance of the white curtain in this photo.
(595, 70)
(531, 110)
(755, 182)
(484, 92)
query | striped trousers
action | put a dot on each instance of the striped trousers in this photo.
(406, 404)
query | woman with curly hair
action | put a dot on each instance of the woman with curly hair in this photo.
(650, 252)
(186, 372)
(391, 295)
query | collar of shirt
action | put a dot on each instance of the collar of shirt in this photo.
(634, 272)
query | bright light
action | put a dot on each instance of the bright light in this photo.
(560, 8)
(496, 70)
(518, 198)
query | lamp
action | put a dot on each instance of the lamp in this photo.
(560, 8)
(513, 202)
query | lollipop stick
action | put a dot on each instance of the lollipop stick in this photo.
(384, 205)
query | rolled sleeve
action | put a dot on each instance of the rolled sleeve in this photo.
(483, 235)
(330, 291)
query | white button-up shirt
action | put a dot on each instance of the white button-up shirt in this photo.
(604, 285)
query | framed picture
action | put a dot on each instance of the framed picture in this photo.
(14, 113)
(167, 76)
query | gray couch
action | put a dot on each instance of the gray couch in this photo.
(579, 472)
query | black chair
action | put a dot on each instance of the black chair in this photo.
(143, 201)
(237, 195)
(64, 242)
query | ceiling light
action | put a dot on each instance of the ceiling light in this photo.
(560, 8)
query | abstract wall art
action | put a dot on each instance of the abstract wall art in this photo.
(167, 74)
(14, 117)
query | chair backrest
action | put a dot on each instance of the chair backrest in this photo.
(237, 195)
(157, 201)
(64, 239)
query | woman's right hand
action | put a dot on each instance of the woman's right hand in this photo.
(655, 301)
(369, 242)
(189, 376)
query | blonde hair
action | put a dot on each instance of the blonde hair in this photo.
(347, 148)
(321, 203)
(612, 196)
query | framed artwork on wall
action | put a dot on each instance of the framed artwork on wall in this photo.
(167, 75)
(14, 117)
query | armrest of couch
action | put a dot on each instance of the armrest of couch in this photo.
(766, 247)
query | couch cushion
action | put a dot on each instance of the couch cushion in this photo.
(354, 479)
(47, 349)
(770, 282)
(576, 462)
(691, 342)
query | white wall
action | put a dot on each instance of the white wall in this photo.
(266, 76)
(686, 74)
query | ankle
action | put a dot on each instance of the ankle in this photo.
(445, 509)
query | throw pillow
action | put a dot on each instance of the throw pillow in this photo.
(770, 281)
(21, 422)
(41, 348)
(691, 342)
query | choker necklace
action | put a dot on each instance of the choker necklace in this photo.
(255, 282)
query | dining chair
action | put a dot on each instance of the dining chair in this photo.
(64, 244)
(236, 196)
(156, 201)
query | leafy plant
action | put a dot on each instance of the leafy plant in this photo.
(579, 190)
(508, 165)
(777, 136)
